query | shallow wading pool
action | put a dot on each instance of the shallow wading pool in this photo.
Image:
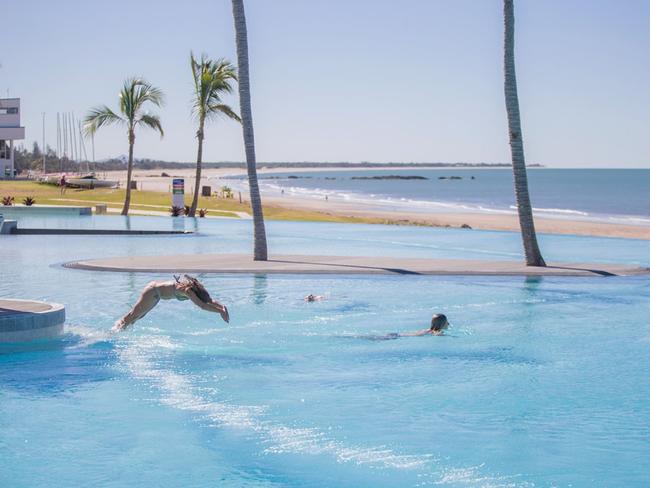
(539, 382)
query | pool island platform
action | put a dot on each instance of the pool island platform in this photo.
(29, 320)
(305, 264)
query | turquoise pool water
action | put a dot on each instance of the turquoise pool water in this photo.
(539, 382)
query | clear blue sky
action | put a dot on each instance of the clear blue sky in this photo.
(350, 80)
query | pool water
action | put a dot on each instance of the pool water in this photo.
(538, 382)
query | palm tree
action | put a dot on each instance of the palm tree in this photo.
(524, 208)
(211, 79)
(260, 252)
(134, 95)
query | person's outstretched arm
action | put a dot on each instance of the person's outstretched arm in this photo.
(416, 334)
(213, 306)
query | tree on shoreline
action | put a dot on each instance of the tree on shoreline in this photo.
(211, 79)
(134, 95)
(524, 208)
(260, 252)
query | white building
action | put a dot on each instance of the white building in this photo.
(10, 131)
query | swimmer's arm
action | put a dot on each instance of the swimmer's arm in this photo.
(416, 334)
(213, 306)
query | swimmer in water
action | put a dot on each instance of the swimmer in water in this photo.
(187, 288)
(439, 323)
(313, 298)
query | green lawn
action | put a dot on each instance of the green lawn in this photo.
(159, 202)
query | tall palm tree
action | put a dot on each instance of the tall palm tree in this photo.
(524, 208)
(211, 80)
(260, 252)
(134, 95)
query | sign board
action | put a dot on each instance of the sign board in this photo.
(178, 192)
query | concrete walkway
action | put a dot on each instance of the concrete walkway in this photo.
(301, 264)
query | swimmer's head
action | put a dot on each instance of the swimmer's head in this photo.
(439, 322)
(310, 298)
(190, 283)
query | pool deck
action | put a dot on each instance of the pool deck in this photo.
(302, 264)
(91, 232)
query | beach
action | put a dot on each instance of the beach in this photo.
(151, 180)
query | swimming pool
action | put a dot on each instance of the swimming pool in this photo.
(539, 382)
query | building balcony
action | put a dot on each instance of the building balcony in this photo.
(12, 133)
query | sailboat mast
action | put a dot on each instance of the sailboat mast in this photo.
(57, 137)
(74, 140)
(83, 147)
(43, 149)
(58, 140)
(63, 137)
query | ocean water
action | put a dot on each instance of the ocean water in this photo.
(538, 382)
(621, 195)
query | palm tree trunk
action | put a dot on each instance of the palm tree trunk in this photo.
(524, 208)
(129, 172)
(199, 158)
(260, 252)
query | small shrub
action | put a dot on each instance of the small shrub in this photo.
(7, 201)
(187, 209)
(164, 175)
(176, 211)
(29, 201)
(203, 212)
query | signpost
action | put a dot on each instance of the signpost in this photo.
(178, 192)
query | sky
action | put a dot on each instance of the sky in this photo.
(348, 80)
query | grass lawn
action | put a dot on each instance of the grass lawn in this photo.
(159, 202)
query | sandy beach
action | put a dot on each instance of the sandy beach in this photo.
(150, 180)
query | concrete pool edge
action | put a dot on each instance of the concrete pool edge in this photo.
(28, 320)
(93, 232)
(305, 264)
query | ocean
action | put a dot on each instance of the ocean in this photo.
(615, 195)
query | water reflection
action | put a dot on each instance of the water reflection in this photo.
(260, 289)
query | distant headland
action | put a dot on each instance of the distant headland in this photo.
(117, 164)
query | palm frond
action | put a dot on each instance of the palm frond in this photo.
(99, 117)
(226, 68)
(211, 80)
(135, 93)
(146, 92)
(196, 72)
(223, 110)
(151, 121)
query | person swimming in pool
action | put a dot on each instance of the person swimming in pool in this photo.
(439, 323)
(313, 298)
(187, 288)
